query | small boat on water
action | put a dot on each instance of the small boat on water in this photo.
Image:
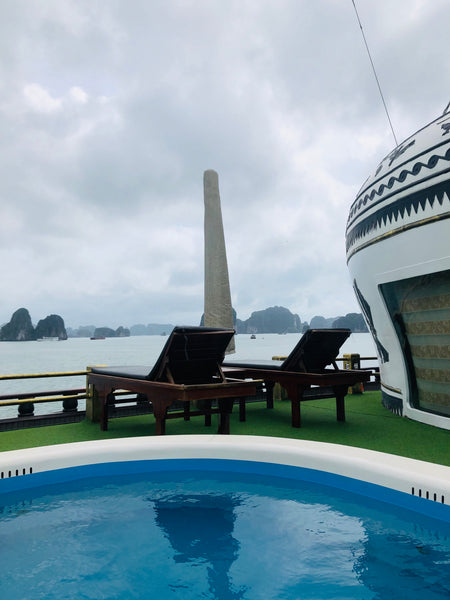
(49, 339)
(99, 337)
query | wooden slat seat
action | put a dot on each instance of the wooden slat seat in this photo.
(305, 367)
(188, 370)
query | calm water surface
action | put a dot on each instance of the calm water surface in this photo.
(216, 536)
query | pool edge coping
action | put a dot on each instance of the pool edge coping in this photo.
(387, 470)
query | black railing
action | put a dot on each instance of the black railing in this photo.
(69, 399)
(26, 401)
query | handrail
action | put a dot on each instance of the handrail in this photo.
(41, 375)
(49, 396)
(43, 399)
(38, 394)
(26, 401)
(69, 397)
(36, 397)
(340, 359)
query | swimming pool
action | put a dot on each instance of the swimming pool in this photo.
(215, 517)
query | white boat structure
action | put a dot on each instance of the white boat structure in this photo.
(398, 254)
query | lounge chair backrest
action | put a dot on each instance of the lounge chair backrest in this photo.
(316, 349)
(192, 355)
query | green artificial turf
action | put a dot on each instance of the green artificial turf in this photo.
(368, 425)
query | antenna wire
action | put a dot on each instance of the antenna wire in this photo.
(374, 72)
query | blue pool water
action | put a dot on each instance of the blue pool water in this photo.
(192, 534)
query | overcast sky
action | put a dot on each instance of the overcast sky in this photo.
(110, 112)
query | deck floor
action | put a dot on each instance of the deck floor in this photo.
(368, 425)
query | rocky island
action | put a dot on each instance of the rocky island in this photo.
(20, 328)
(275, 319)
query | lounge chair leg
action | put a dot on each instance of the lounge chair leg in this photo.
(224, 424)
(225, 410)
(296, 413)
(269, 393)
(340, 393)
(160, 412)
(242, 411)
(295, 395)
(207, 405)
(104, 415)
(160, 425)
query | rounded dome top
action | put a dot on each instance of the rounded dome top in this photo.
(409, 181)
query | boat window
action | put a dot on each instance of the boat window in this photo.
(420, 311)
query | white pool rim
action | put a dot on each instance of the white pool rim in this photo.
(427, 483)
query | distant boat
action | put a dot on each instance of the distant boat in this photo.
(253, 336)
(99, 337)
(48, 339)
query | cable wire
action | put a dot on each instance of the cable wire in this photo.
(374, 72)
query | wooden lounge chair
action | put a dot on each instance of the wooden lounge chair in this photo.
(187, 370)
(305, 367)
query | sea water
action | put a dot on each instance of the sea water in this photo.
(190, 535)
(76, 354)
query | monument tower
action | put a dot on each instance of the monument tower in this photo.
(218, 310)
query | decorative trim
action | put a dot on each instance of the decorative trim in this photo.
(441, 327)
(392, 403)
(426, 303)
(364, 198)
(397, 209)
(365, 307)
(433, 401)
(394, 232)
(436, 375)
(390, 388)
(430, 351)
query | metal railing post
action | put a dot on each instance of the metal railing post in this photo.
(93, 408)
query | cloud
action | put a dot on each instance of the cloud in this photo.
(79, 95)
(39, 99)
(112, 111)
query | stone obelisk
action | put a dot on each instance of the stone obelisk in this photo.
(218, 309)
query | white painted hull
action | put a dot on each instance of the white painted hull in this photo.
(398, 253)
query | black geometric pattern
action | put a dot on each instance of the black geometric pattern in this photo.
(416, 169)
(365, 307)
(395, 210)
(392, 403)
(399, 151)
